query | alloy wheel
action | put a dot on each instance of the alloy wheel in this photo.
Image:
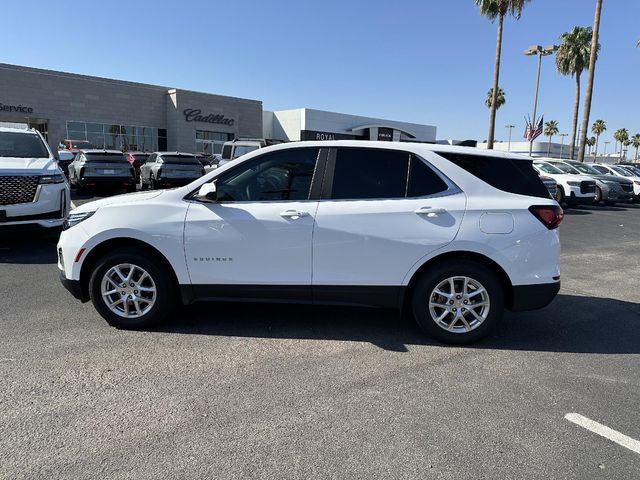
(128, 290)
(459, 304)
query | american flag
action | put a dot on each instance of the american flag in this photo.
(529, 132)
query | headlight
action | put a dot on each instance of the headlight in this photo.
(574, 183)
(47, 179)
(75, 218)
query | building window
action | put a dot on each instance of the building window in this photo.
(211, 142)
(118, 137)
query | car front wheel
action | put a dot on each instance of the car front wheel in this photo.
(458, 301)
(131, 289)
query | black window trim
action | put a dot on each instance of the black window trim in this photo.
(327, 184)
(314, 191)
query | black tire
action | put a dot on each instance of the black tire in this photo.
(80, 190)
(560, 195)
(152, 183)
(131, 188)
(142, 185)
(598, 198)
(426, 284)
(166, 289)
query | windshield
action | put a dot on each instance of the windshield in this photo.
(621, 171)
(564, 167)
(22, 145)
(242, 149)
(585, 169)
(180, 159)
(547, 168)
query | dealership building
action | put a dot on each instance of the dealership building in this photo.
(116, 114)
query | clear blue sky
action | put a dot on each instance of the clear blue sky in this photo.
(415, 60)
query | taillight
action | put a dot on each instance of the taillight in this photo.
(550, 215)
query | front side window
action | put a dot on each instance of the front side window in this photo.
(22, 145)
(602, 170)
(278, 176)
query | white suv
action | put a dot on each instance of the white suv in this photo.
(33, 189)
(452, 233)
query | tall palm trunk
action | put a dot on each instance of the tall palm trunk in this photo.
(549, 146)
(586, 111)
(576, 109)
(595, 155)
(496, 78)
(637, 153)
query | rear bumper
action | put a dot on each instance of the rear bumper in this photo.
(87, 181)
(533, 297)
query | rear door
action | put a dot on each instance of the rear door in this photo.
(381, 211)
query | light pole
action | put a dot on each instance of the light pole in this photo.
(510, 127)
(562, 135)
(540, 51)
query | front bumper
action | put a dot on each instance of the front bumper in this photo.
(74, 287)
(533, 297)
(48, 209)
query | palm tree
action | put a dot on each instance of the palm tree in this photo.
(572, 58)
(493, 9)
(586, 111)
(590, 143)
(621, 135)
(550, 129)
(500, 100)
(635, 141)
(598, 128)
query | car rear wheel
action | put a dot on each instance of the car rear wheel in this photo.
(458, 301)
(141, 184)
(131, 289)
(560, 195)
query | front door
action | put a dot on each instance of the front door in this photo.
(385, 211)
(258, 232)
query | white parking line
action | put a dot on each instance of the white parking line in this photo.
(604, 431)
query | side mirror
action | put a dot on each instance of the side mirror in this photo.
(208, 192)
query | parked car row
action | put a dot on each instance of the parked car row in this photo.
(586, 184)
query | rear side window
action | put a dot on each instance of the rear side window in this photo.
(366, 173)
(363, 173)
(506, 174)
(226, 152)
(423, 181)
(105, 158)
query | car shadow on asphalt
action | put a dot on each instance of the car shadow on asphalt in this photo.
(570, 324)
(36, 247)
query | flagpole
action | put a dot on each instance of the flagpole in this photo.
(535, 101)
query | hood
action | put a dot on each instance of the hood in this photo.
(566, 177)
(611, 178)
(17, 165)
(118, 200)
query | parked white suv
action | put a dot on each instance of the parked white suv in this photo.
(454, 234)
(33, 189)
(573, 189)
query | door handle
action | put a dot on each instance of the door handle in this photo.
(293, 214)
(430, 211)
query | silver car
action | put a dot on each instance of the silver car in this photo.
(92, 168)
(168, 169)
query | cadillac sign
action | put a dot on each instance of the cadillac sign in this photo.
(195, 115)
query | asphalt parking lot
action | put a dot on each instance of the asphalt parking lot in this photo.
(268, 391)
